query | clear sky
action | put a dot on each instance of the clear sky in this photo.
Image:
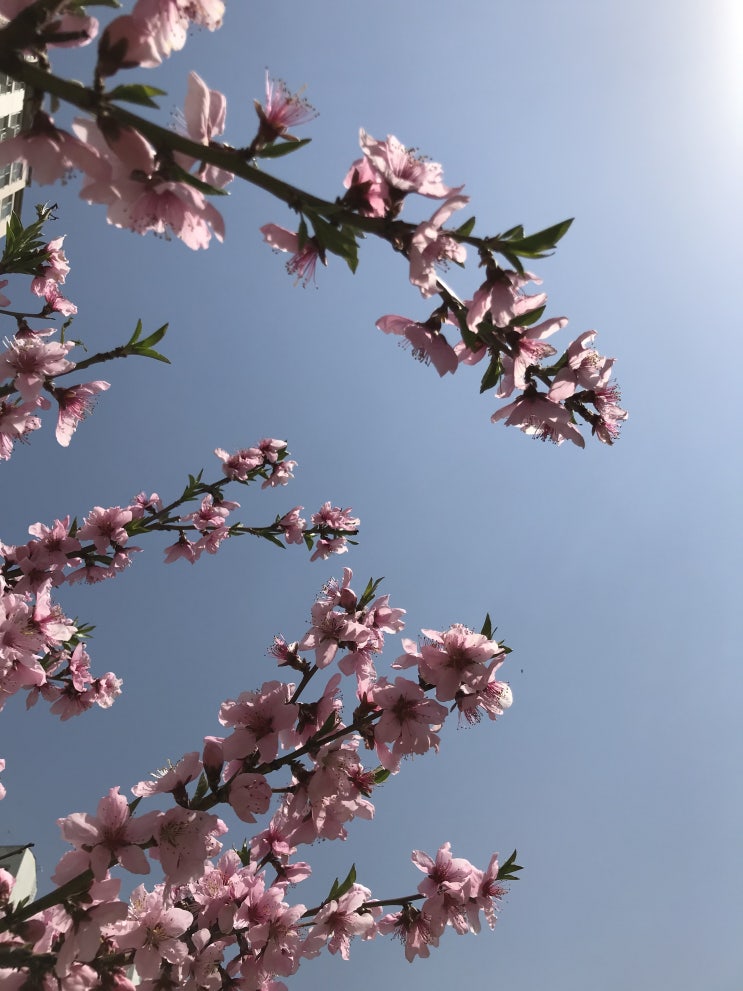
(612, 572)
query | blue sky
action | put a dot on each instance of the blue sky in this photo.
(613, 573)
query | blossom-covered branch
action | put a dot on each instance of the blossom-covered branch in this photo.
(222, 922)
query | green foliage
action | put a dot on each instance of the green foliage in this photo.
(136, 93)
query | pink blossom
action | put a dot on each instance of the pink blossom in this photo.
(75, 403)
(336, 518)
(249, 794)
(106, 527)
(538, 416)
(114, 835)
(4, 301)
(585, 369)
(160, 205)
(338, 921)
(183, 548)
(50, 152)
(325, 547)
(172, 778)
(185, 839)
(238, 466)
(429, 247)
(16, 421)
(402, 168)
(611, 415)
(29, 361)
(367, 192)
(3, 792)
(55, 302)
(413, 928)
(429, 344)
(501, 298)
(282, 110)
(153, 929)
(410, 721)
(281, 473)
(259, 718)
(530, 350)
(304, 259)
(456, 660)
(293, 525)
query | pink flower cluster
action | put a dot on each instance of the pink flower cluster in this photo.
(501, 321)
(218, 919)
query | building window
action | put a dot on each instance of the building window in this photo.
(6, 208)
(5, 176)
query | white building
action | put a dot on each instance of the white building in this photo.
(21, 863)
(13, 177)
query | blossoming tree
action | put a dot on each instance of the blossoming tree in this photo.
(296, 760)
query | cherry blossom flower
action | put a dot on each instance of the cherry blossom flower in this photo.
(429, 344)
(106, 527)
(185, 839)
(171, 779)
(281, 111)
(50, 152)
(503, 300)
(16, 421)
(304, 259)
(367, 192)
(413, 928)
(429, 247)
(401, 168)
(338, 921)
(113, 835)
(538, 416)
(153, 929)
(530, 350)
(29, 361)
(75, 403)
(410, 721)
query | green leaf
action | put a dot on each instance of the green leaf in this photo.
(201, 788)
(465, 229)
(143, 352)
(337, 890)
(271, 538)
(338, 240)
(380, 775)
(243, 853)
(529, 318)
(136, 93)
(155, 337)
(492, 374)
(507, 870)
(487, 627)
(369, 592)
(279, 150)
(135, 336)
(535, 245)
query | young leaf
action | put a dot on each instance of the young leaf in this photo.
(465, 229)
(337, 890)
(279, 150)
(492, 374)
(487, 627)
(136, 93)
(506, 871)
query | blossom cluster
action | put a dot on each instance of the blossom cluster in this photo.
(151, 179)
(30, 362)
(41, 649)
(225, 918)
(501, 322)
